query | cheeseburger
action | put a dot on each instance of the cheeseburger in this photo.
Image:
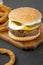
(24, 23)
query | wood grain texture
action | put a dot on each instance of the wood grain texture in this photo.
(28, 44)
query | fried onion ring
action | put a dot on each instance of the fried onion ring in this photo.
(3, 27)
(10, 53)
(6, 11)
(1, 14)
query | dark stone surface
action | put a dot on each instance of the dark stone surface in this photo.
(34, 57)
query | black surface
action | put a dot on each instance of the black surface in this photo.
(34, 57)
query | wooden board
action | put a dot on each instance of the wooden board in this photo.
(23, 45)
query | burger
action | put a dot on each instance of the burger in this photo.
(24, 23)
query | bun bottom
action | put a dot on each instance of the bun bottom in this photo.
(22, 38)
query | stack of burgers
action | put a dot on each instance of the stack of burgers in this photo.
(24, 23)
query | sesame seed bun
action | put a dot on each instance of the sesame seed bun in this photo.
(25, 14)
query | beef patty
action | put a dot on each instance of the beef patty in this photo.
(24, 33)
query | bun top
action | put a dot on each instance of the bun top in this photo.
(25, 14)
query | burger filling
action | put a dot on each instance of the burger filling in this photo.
(14, 25)
(24, 33)
(18, 30)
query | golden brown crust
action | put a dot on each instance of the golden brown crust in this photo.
(4, 9)
(25, 14)
(10, 53)
(3, 27)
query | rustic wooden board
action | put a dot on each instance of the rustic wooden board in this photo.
(23, 45)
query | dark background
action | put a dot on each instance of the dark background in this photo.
(34, 57)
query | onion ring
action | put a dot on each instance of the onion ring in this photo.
(10, 53)
(6, 11)
(3, 27)
(1, 14)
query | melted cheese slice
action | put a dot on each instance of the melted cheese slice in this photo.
(13, 26)
(31, 28)
(28, 28)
